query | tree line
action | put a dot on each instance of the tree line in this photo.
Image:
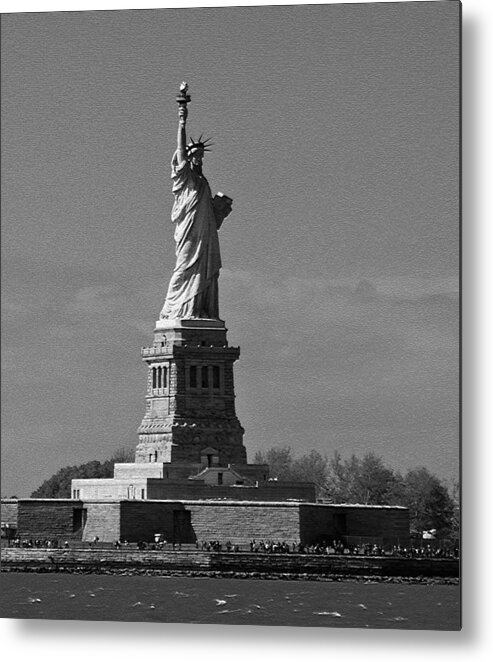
(368, 480)
(59, 485)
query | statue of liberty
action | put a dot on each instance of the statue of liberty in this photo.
(193, 288)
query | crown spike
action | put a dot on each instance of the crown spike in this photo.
(201, 143)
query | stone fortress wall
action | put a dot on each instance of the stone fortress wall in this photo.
(192, 521)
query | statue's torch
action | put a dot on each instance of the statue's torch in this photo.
(182, 98)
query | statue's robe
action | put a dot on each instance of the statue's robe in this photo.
(193, 289)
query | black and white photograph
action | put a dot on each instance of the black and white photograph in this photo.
(231, 244)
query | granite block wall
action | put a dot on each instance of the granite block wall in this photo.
(378, 522)
(103, 521)
(327, 522)
(48, 519)
(141, 520)
(190, 522)
(9, 512)
(240, 522)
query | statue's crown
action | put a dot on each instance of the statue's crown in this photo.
(194, 145)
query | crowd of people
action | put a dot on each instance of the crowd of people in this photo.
(427, 552)
(340, 547)
(39, 543)
(335, 547)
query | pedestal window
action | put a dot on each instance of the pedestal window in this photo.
(159, 378)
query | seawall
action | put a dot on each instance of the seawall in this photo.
(239, 564)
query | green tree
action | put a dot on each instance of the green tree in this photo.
(311, 467)
(429, 502)
(367, 480)
(338, 484)
(455, 495)
(279, 459)
(378, 484)
(58, 486)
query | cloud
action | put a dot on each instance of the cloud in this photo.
(314, 309)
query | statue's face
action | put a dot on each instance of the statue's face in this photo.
(197, 157)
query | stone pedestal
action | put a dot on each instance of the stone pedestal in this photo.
(190, 402)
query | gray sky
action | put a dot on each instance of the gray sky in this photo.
(336, 133)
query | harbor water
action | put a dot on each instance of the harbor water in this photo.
(347, 603)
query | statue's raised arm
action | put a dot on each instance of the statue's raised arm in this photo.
(181, 142)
